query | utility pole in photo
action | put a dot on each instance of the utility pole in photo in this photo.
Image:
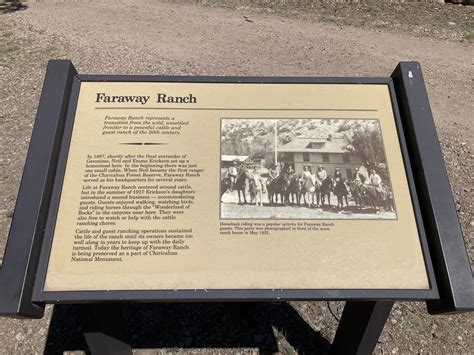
(276, 142)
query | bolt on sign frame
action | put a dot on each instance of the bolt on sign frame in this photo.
(25, 264)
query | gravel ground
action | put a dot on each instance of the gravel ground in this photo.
(432, 18)
(144, 37)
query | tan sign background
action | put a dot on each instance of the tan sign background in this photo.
(362, 254)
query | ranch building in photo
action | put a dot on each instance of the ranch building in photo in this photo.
(311, 152)
(228, 160)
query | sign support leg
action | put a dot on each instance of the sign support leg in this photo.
(360, 326)
(22, 252)
(104, 329)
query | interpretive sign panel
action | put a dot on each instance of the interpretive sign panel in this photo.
(211, 186)
(168, 188)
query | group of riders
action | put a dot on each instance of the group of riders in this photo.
(366, 189)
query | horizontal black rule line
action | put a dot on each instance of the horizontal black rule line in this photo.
(236, 109)
(143, 143)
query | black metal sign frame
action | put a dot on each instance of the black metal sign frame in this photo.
(24, 268)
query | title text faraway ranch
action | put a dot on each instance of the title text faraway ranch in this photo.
(161, 98)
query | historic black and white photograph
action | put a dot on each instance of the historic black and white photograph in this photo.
(304, 169)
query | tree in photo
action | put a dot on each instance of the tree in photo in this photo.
(366, 142)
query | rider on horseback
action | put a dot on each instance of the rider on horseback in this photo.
(273, 173)
(290, 170)
(233, 173)
(321, 174)
(375, 180)
(357, 181)
(306, 173)
(256, 188)
(362, 173)
(256, 172)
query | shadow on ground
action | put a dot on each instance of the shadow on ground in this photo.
(10, 6)
(186, 325)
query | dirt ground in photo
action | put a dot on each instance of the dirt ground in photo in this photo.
(306, 208)
(186, 38)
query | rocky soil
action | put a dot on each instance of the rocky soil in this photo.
(152, 37)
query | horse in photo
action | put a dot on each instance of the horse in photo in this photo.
(376, 197)
(341, 192)
(389, 204)
(225, 185)
(324, 191)
(278, 187)
(240, 185)
(357, 192)
(311, 186)
(295, 191)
